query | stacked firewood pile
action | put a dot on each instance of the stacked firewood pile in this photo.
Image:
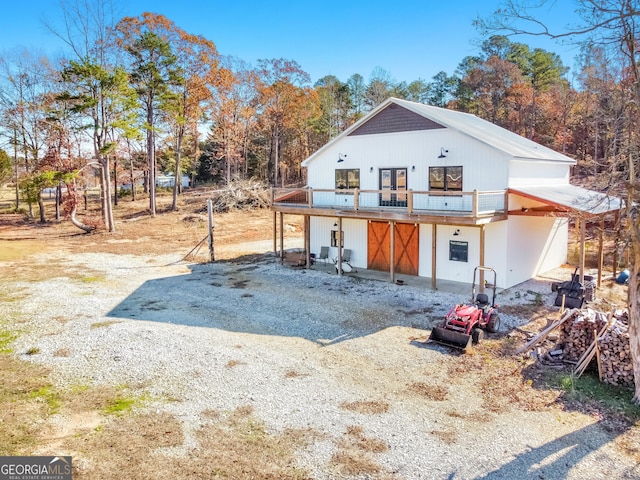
(578, 332)
(585, 337)
(615, 355)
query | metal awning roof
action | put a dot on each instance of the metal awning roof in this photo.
(570, 197)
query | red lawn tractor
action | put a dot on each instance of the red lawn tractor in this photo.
(464, 325)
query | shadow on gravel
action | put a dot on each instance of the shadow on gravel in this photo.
(557, 458)
(254, 295)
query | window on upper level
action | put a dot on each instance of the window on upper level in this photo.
(445, 179)
(347, 178)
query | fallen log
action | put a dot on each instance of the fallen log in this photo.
(541, 336)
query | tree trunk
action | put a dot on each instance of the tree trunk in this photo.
(275, 161)
(15, 163)
(41, 208)
(178, 175)
(106, 194)
(58, 201)
(634, 317)
(634, 282)
(115, 181)
(78, 223)
(152, 163)
(133, 184)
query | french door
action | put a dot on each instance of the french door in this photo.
(393, 179)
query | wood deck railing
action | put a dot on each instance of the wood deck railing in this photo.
(467, 204)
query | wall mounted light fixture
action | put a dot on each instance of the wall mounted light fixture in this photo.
(457, 232)
(442, 152)
(413, 168)
(341, 157)
(371, 170)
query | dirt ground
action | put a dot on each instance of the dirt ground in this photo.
(381, 383)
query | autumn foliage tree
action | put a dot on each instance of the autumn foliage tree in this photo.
(232, 114)
(154, 73)
(281, 88)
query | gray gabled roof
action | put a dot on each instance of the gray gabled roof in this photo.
(486, 132)
(571, 197)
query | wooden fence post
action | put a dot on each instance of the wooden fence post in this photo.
(210, 215)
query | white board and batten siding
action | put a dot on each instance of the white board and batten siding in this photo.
(536, 172)
(447, 269)
(355, 238)
(418, 149)
(535, 245)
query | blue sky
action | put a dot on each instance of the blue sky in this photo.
(408, 39)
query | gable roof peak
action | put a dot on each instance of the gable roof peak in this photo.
(468, 124)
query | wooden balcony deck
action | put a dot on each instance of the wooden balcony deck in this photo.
(462, 208)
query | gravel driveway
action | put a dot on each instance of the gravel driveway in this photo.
(300, 347)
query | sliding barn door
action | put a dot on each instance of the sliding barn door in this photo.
(406, 247)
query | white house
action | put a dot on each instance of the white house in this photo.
(170, 180)
(421, 190)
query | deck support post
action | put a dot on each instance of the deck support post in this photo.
(339, 239)
(615, 244)
(275, 233)
(434, 249)
(600, 252)
(583, 234)
(307, 240)
(281, 237)
(482, 244)
(392, 252)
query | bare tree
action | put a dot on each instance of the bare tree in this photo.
(25, 78)
(614, 26)
(88, 27)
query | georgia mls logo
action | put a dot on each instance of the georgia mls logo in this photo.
(35, 468)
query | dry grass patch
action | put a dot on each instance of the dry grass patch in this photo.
(357, 440)
(11, 251)
(446, 436)
(106, 323)
(476, 417)
(502, 382)
(23, 396)
(295, 374)
(436, 393)
(138, 231)
(13, 293)
(629, 443)
(240, 447)
(126, 445)
(234, 445)
(350, 462)
(33, 271)
(234, 363)
(354, 458)
(105, 400)
(367, 407)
